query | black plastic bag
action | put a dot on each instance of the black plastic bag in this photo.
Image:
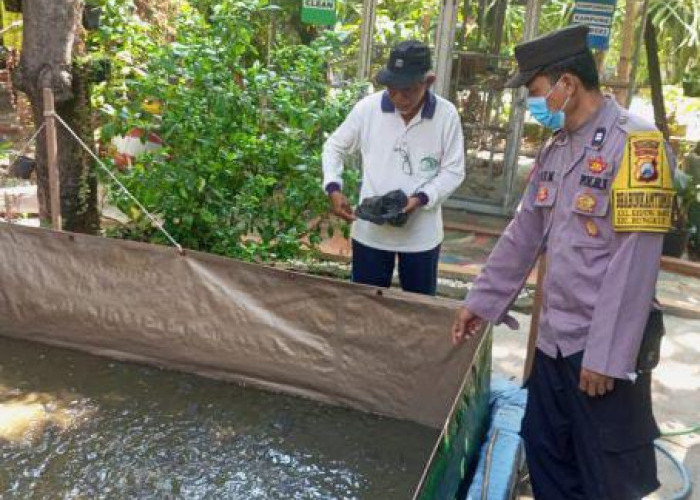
(386, 209)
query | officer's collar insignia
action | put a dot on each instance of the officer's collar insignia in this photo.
(598, 137)
(597, 165)
(586, 203)
(591, 228)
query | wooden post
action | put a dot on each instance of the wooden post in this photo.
(535, 322)
(364, 63)
(516, 120)
(444, 47)
(635, 55)
(52, 157)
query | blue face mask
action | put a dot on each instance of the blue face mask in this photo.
(537, 106)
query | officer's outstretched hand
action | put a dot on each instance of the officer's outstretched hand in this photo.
(595, 384)
(466, 325)
(341, 207)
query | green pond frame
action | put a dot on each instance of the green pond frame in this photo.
(453, 459)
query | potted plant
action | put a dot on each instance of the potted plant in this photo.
(91, 16)
(691, 83)
(13, 5)
(685, 233)
(676, 239)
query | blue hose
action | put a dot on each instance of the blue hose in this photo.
(685, 492)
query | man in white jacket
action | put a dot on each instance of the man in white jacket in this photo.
(410, 140)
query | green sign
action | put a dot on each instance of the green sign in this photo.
(320, 12)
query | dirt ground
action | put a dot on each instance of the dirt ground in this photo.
(676, 393)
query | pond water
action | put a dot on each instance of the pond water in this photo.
(74, 425)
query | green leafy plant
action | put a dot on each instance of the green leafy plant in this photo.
(240, 171)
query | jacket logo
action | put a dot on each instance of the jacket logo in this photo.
(429, 164)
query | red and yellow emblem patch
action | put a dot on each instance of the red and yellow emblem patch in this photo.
(597, 165)
(586, 202)
(645, 154)
(542, 193)
(591, 228)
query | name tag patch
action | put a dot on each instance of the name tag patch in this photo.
(594, 182)
(546, 176)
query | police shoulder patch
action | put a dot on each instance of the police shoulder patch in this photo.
(642, 193)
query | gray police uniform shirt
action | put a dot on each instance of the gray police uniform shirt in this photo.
(599, 285)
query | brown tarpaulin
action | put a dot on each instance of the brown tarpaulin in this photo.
(384, 352)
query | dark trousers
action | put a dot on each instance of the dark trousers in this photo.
(580, 447)
(417, 270)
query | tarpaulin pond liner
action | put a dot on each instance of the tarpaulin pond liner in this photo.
(379, 351)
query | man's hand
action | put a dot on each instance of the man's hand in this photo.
(466, 325)
(595, 384)
(341, 207)
(413, 203)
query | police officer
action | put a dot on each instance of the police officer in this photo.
(597, 205)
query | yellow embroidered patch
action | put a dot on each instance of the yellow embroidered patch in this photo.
(585, 202)
(642, 194)
(591, 228)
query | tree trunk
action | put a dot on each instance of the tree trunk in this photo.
(52, 30)
(657, 94)
(626, 51)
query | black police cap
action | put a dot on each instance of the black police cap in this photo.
(536, 55)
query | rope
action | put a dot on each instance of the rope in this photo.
(104, 167)
(12, 26)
